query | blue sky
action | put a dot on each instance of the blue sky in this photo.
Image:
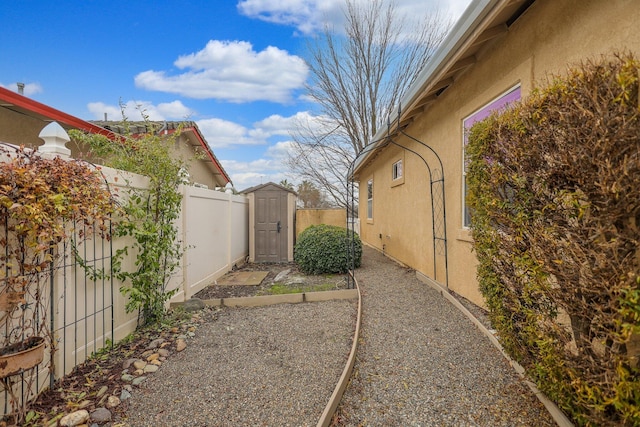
(236, 67)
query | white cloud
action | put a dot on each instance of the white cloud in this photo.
(223, 133)
(272, 166)
(309, 16)
(280, 150)
(133, 110)
(279, 125)
(306, 16)
(29, 88)
(231, 71)
(250, 174)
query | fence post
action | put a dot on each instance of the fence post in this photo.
(230, 231)
(185, 258)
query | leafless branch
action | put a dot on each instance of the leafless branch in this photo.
(357, 80)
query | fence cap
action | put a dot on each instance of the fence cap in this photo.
(55, 139)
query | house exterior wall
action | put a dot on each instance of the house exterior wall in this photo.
(16, 128)
(199, 172)
(544, 41)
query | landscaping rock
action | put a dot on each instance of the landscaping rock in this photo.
(114, 401)
(101, 415)
(281, 276)
(181, 344)
(75, 418)
(139, 364)
(124, 395)
(127, 363)
(155, 343)
(193, 304)
(150, 368)
(138, 381)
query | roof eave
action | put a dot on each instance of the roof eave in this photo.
(450, 51)
(192, 127)
(29, 104)
(212, 157)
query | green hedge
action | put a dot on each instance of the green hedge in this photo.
(324, 249)
(555, 192)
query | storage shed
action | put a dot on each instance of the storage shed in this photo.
(272, 210)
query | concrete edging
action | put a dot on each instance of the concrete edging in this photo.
(338, 391)
(558, 416)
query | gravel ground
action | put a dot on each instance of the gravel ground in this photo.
(421, 362)
(266, 366)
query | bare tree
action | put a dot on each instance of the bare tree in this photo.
(357, 80)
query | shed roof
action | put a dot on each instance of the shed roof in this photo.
(264, 186)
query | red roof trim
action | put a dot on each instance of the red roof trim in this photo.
(57, 115)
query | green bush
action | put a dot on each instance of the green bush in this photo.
(325, 249)
(553, 184)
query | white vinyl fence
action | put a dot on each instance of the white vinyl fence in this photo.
(214, 228)
(86, 313)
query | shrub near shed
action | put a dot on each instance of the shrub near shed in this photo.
(324, 249)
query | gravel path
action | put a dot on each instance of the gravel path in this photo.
(267, 366)
(421, 362)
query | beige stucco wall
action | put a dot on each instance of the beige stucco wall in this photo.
(20, 129)
(548, 38)
(308, 217)
(199, 172)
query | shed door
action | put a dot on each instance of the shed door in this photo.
(271, 226)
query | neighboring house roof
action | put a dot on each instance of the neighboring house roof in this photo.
(24, 105)
(21, 104)
(189, 129)
(481, 22)
(268, 184)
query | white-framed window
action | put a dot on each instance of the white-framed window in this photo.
(396, 170)
(500, 102)
(370, 199)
